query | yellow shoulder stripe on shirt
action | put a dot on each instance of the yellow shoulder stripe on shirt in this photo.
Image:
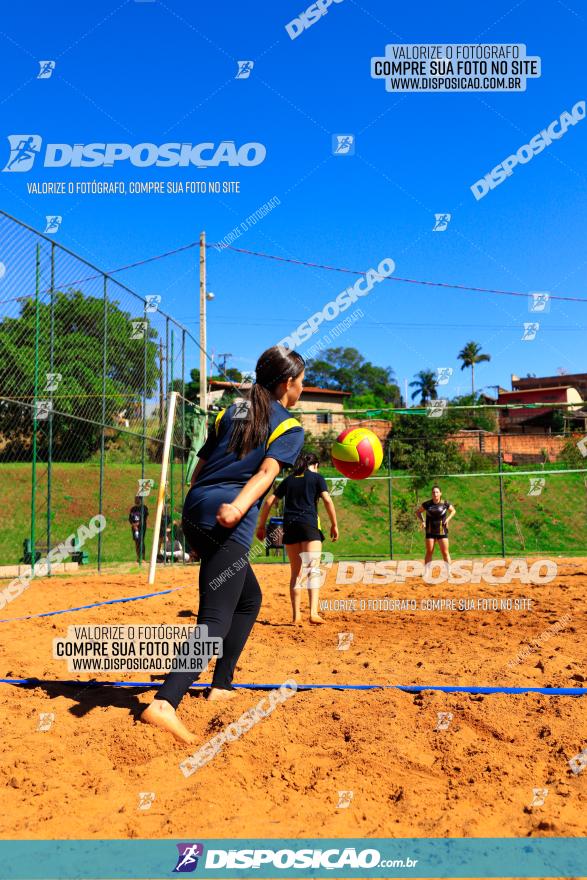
(284, 426)
(217, 419)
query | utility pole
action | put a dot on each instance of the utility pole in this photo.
(161, 395)
(203, 384)
(224, 355)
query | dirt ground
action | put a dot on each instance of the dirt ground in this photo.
(283, 777)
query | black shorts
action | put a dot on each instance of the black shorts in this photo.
(295, 533)
(431, 537)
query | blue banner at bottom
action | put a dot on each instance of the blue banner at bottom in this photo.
(303, 858)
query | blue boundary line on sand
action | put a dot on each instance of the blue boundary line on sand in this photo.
(463, 689)
(93, 605)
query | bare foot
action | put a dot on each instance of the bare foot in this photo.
(161, 714)
(220, 694)
(315, 618)
(298, 621)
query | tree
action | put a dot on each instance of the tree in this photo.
(346, 369)
(471, 355)
(425, 384)
(78, 331)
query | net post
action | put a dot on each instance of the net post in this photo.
(50, 424)
(162, 484)
(390, 500)
(102, 436)
(500, 463)
(35, 398)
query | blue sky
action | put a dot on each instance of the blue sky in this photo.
(137, 72)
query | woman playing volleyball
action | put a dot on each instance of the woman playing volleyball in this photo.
(239, 461)
(302, 535)
(438, 515)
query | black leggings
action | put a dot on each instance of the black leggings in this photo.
(230, 599)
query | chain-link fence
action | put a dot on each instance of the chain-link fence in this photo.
(85, 370)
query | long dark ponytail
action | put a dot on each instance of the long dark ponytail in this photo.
(275, 365)
(304, 461)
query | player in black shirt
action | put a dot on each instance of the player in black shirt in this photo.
(438, 515)
(302, 534)
(137, 517)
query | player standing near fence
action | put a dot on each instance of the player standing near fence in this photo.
(302, 534)
(438, 515)
(244, 453)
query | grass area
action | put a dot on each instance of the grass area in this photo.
(555, 521)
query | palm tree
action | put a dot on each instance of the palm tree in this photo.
(425, 385)
(471, 355)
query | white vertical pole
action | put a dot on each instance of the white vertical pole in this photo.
(203, 383)
(162, 485)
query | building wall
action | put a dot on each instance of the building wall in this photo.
(515, 447)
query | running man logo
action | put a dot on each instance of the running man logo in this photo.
(138, 329)
(578, 762)
(46, 720)
(145, 487)
(244, 69)
(187, 860)
(152, 302)
(314, 569)
(344, 641)
(46, 69)
(582, 446)
(24, 149)
(530, 331)
(443, 375)
(146, 798)
(242, 408)
(443, 720)
(42, 409)
(437, 408)
(53, 380)
(338, 485)
(540, 795)
(537, 484)
(54, 221)
(343, 145)
(539, 302)
(344, 799)
(2, 270)
(441, 222)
